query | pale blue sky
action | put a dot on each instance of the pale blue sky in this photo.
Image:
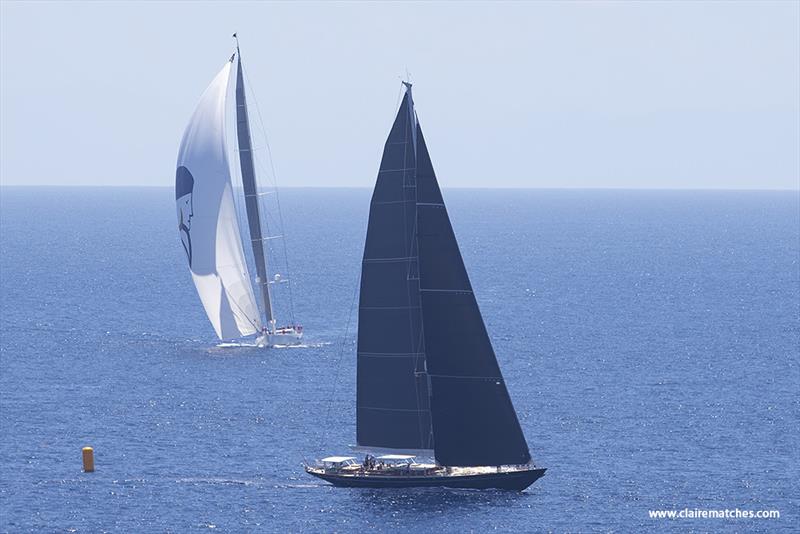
(623, 94)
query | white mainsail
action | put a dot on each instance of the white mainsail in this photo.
(207, 219)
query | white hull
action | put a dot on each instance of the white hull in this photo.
(282, 337)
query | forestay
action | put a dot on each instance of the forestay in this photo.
(207, 220)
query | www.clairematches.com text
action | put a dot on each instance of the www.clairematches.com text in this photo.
(695, 513)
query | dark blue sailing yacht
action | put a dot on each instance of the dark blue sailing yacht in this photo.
(428, 381)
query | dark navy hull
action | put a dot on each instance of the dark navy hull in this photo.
(512, 480)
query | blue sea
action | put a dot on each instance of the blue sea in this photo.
(650, 341)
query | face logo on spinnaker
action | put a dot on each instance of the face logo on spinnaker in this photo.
(184, 186)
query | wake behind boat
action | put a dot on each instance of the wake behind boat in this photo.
(208, 222)
(428, 380)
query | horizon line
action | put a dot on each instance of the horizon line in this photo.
(542, 188)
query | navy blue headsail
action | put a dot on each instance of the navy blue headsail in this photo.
(473, 419)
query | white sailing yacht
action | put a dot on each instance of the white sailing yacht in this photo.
(208, 222)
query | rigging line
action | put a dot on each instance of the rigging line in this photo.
(338, 364)
(277, 196)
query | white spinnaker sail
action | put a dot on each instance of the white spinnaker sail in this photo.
(207, 220)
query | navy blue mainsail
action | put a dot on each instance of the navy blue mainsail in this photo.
(427, 373)
(392, 390)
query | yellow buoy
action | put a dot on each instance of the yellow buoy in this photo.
(88, 459)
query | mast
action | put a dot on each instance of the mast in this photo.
(251, 190)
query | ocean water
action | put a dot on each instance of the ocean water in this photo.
(650, 342)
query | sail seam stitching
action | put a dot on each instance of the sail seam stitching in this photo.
(399, 258)
(382, 202)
